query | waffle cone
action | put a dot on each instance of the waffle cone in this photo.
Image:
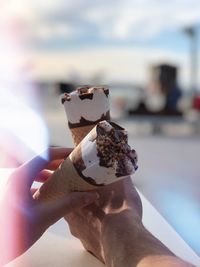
(79, 133)
(63, 181)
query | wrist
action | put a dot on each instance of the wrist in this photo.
(119, 233)
(126, 242)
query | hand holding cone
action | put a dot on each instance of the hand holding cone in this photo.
(103, 157)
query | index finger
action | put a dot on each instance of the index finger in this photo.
(25, 174)
(59, 153)
(57, 157)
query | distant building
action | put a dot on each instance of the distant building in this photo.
(164, 80)
(66, 87)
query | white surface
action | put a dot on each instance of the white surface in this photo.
(55, 251)
(161, 229)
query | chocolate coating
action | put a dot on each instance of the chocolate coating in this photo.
(86, 96)
(84, 122)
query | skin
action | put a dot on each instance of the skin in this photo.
(23, 220)
(112, 230)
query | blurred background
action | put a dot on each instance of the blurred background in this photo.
(145, 51)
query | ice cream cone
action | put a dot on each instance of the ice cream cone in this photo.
(101, 158)
(84, 108)
(63, 181)
(79, 133)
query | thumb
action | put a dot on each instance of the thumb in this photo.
(55, 210)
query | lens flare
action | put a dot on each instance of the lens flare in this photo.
(23, 133)
(23, 122)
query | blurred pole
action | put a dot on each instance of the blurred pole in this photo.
(192, 34)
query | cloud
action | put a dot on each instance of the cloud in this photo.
(119, 20)
(129, 19)
(144, 19)
(110, 20)
(58, 30)
(104, 21)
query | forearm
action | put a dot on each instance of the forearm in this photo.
(127, 243)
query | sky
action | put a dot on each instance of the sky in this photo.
(113, 40)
